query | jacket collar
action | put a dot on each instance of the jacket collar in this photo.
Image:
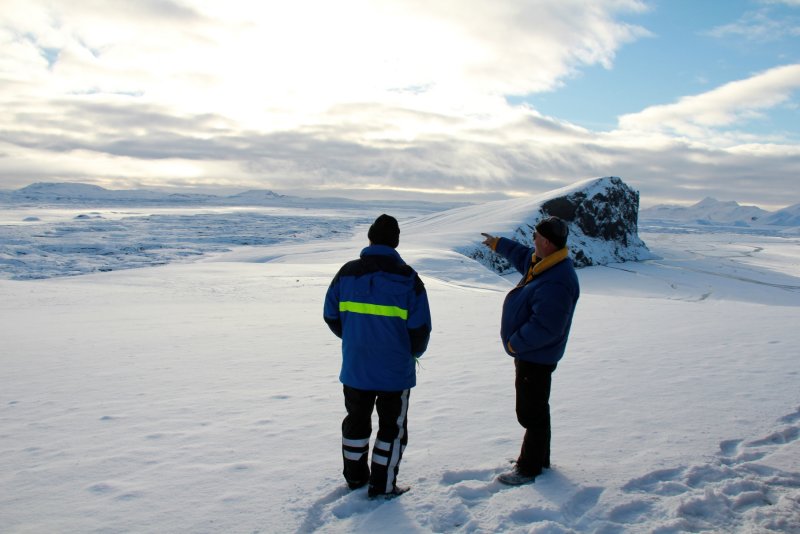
(382, 250)
(540, 265)
(545, 263)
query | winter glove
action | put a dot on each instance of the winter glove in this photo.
(490, 241)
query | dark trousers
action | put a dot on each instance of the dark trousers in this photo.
(533, 413)
(389, 444)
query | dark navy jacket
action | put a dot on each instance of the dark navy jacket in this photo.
(378, 306)
(537, 315)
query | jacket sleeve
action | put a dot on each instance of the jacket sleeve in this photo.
(331, 309)
(518, 255)
(419, 319)
(551, 310)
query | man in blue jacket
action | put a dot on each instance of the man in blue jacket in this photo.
(537, 315)
(379, 308)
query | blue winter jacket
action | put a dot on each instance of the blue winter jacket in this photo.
(537, 315)
(378, 306)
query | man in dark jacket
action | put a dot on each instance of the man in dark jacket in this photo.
(537, 315)
(379, 308)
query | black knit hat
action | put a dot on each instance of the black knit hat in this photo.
(554, 230)
(384, 231)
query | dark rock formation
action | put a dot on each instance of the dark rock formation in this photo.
(602, 215)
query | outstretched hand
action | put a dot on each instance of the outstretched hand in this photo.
(490, 241)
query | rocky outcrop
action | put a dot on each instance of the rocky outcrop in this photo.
(602, 215)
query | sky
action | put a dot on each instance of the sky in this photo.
(405, 98)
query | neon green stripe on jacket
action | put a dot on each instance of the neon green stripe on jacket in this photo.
(373, 309)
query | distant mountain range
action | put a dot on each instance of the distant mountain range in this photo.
(712, 211)
(78, 194)
(707, 211)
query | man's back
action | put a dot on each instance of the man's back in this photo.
(378, 306)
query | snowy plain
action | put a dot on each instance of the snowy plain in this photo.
(201, 395)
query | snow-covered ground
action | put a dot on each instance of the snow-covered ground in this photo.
(43, 243)
(203, 396)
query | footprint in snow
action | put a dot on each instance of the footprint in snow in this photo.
(733, 489)
(791, 418)
(454, 477)
(581, 502)
(314, 519)
(660, 482)
(629, 512)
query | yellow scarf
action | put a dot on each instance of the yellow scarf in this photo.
(540, 265)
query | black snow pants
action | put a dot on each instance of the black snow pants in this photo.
(389, 444)
(532, 383)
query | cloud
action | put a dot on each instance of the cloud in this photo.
(159, 79)
(734, 103)
(529, 154)
(760, 26)
(791, 3)
(248, 59)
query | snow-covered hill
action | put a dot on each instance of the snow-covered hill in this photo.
(789, 216)
(600, 213)
(86, 195)
(78, 193)
(708, 211)
(255, 196)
